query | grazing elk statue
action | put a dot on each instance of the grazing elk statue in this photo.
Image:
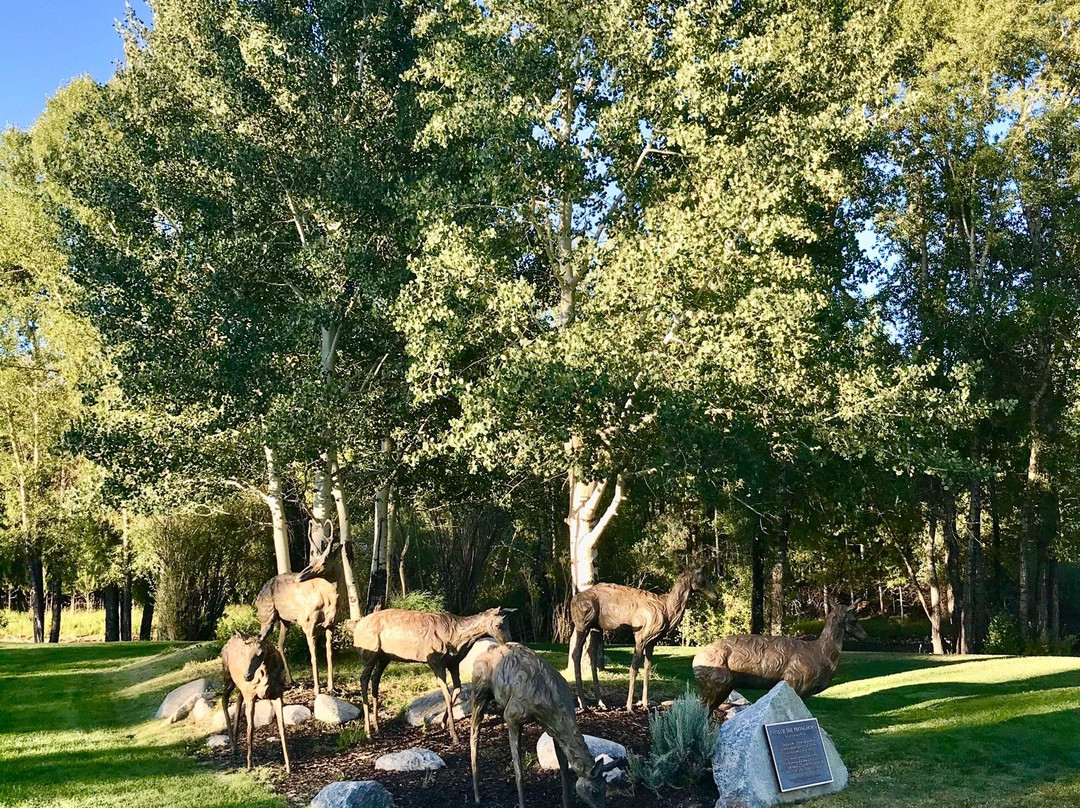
(757, 662)
(440, 639)
(308, 598)
(605, 607)
(257, 671)
(525, 688)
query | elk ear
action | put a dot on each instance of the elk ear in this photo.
(616, 763)
(350, 625)
(597, 769)
(506, 610)
(861, 606)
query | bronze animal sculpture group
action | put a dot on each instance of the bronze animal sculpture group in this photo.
(757, 662)
(606, 607)
(510, 679)
(439, 639)
(522, 687)
(257, 671)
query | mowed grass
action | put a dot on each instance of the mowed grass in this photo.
(76, 726)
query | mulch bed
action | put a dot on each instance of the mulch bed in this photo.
(317, 760)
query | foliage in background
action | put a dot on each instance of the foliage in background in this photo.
(418, 601)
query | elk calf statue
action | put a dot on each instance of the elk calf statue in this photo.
(308, 598)
(440, 639)
(257, 671)
(759, 663)
(525, 688)
(605, 607)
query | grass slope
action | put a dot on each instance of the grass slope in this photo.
(914, 730)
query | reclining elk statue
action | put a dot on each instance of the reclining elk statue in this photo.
(308, 598)
(440, 639)
(759, 663)
(257, 671)
(525, 688)
(606, 607)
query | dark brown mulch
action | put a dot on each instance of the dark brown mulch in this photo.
(317, 760)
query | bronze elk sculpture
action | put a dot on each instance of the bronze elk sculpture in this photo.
(525, 688)
(440, 639)
(308, 598)
(759, 663)
(256, 670)
(605, 607)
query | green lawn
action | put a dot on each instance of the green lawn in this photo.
(914, 730)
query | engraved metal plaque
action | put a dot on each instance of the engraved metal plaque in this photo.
(798, 754)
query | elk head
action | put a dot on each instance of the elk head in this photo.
(847, 618)
(256, 666)
(699, 582)
(498, 623)
(320, 559)
(592, 789)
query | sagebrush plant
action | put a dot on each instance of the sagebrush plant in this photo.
(681, 746)
(419, 601)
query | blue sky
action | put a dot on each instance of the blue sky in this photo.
(46, 43)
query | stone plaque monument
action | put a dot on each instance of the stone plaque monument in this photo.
(798, 754)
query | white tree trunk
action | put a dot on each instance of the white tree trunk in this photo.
(347, 573)
(379, 557)
(586, 528)
(275, 501)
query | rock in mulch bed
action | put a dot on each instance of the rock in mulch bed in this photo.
(295, 714)
(353, 794)
(410, 760)
(331, 710)
(430, 708)
(180, 701)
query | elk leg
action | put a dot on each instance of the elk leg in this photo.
(514, 727)
(455, 677)
(329, 660)
(365, 677)
(309, 632)
(576, 644)
(714, 685)
(225, 694)
(645, 678)
(479, 706)
(564, 775)
(635, 663)
(440, 674)
(594, 663)
(278, 711)
(282, 631)
(380, 666)
(249, 716)
(236, 718)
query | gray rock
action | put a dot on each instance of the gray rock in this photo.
(217, 720)
(203, 709)
(332, 710)
(353, 794)
(430, 708)
(742, 765)
(185, 695)
(296, 714)
(735, 702)
(482, 645)
(410, 760)
(218, 741)
(264, 713)
(599, 747)
(182, 712)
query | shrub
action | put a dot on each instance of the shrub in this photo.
(419, 601)
(1002, 635)
(682, 741)
(238, 618)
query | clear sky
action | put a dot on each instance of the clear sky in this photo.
(46, 43)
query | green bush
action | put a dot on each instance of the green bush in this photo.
(1002, 635)
(682, 744)
(237, 618)
(419, 601)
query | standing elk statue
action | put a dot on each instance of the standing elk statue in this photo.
(525, 688)
(440, 639)
(256, 670)
(605, 607)
(309, 599)
(759, 663)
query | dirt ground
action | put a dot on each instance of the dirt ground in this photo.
(322, 754)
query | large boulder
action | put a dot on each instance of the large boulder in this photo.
(181, 700)
(430, 708)
(203, 709)
(410, 760)
(217, 719)
(481, 646)
(598, 747)
(353, 794)
(332, 710)
(295, 714)
(742, 764)
(264, 713)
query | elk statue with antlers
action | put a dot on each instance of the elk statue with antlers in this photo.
(606, 607)
(757, 662)
(440, 639)
(525, 688)
(308, 598)
(255, 669)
